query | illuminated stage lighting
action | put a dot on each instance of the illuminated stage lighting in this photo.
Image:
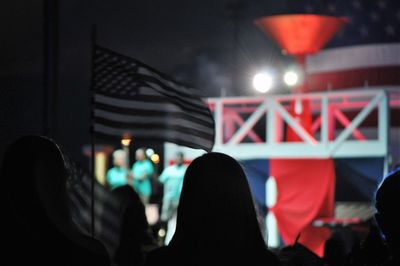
(291, 78)
(263, 82)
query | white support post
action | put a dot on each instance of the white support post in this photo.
(271, 122)
(271, 191)
(383, 129)
(218, 122)
(324, 121)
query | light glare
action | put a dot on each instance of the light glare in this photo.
(126, 141)
(262, 82)
(291, 78)
(149, 152)
(155, 158)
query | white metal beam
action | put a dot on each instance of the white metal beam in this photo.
(324, 120)
(383, 128)
(341, 147)
(250, 122)
(271, 123)
(218, 122)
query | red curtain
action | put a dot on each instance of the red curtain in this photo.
(305, 192)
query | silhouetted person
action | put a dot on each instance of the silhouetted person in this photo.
(172, 179)
(216, 222)
(38, 228)
(299, 255)
(337, 247)
(388, 213)
(135, 239)
(142, 171)
(118, 175)
(371, 251)
(382, 245)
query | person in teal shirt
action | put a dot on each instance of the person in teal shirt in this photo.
(172, 178)
(142, 170)
(118, 175)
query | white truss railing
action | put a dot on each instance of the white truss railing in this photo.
(345, 124)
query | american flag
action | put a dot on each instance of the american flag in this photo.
(366, 52)
(133, 99)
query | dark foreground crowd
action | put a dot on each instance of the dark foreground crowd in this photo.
(216, 223)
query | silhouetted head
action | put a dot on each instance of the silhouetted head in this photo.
(140, 154)
(35, 179)
(335, 250)
(387, 206)
(130, 205)
(179, 158)
(216, 214)
(135, 237)
(119, 158)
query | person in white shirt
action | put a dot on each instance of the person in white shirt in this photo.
(172, 178)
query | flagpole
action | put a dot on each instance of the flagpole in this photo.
(126, 141)
(92, 137)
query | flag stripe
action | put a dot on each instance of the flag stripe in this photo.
(164, 90)
(176, 88)
(365, 53)
(148, 70)
(158, 98)
(121, 73)
(139, 127)
(152, 113)
(107, 133)
(360, 56)
(143, 105)
(137, 120)
(132, 98)
(354, 78)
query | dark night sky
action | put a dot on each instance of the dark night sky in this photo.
(190, 40)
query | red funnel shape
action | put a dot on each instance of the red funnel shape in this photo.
(300, 34)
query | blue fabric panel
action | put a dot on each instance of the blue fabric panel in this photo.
(357, 178)
(257, 172)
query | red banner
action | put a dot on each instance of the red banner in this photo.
(305, 192)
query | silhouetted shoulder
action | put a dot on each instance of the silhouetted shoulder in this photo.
(170, 256)
(159, 256)
(271, 259)
(94, 252)
(40, 229)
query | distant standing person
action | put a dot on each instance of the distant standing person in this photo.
(118, 175)
(172, 178)
(142, 170)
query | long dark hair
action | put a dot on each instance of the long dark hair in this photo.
(216, 214)
(35, 176)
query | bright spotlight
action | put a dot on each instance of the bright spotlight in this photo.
(291, 78)
(262, 82)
